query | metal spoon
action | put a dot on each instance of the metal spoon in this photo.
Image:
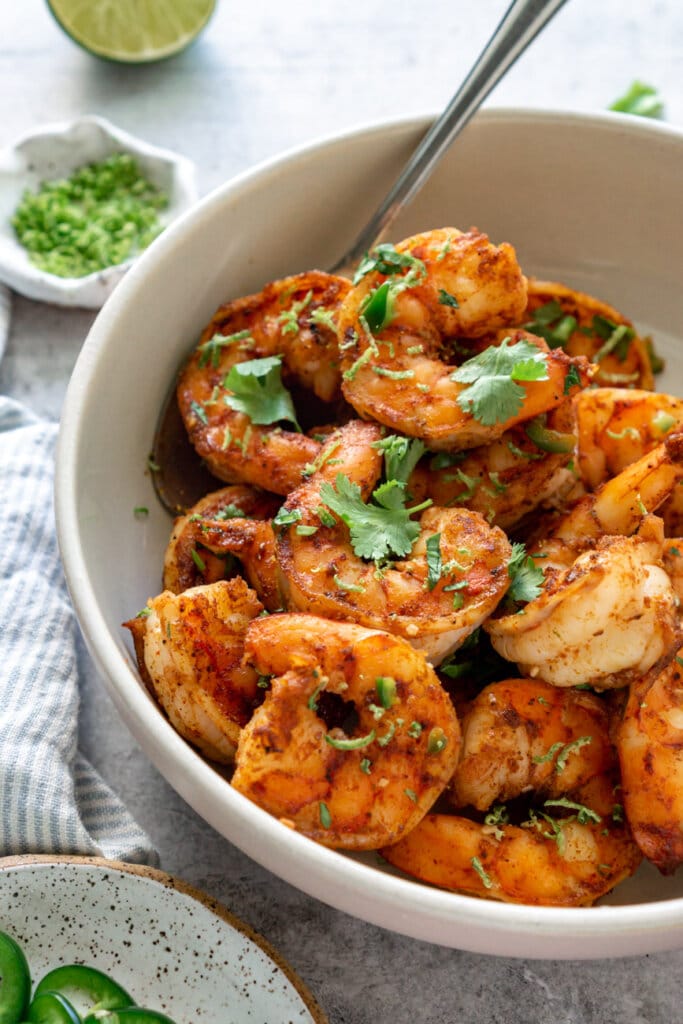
(180, 478)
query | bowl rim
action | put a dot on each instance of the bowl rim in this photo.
(417, 910)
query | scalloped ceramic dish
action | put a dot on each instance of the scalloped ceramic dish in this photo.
(172, 947)
(55, 151)
(592, 201)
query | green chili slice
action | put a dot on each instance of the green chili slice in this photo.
(550, 440)
(52, 1008)
(15, 981)
(75, 980)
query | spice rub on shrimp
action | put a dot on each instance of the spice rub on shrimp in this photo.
(650, 746)
(567, 853)
(607, 618)
(524, 735)
(231, 394)
(409, 304)
(607, 610)
(348, 548)
(369, 779)
(506, 480)
(616, 427)
(192, 559)
(189, 649)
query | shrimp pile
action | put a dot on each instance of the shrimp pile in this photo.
(435, 611)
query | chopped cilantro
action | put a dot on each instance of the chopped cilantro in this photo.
(385, 259)
(640, 99)
(211, 349)
(287, 517)
(401, 455)
(526, 576)
(446, 299)
(493, 394)
(485, 879)
(325, 816)
(258, 391)
(585, 815)
(572, 380)
(616, 338)
(551, 323)
(365, 766)
(434, 563)
(198, 560)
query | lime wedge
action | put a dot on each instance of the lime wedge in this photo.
(132, 31)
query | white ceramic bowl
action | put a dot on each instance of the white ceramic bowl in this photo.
(209, 967)
(593, 201)
(55, 151)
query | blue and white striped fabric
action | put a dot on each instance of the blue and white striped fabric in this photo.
(51, 799)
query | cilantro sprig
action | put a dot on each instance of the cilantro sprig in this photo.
(380, 529)
(401, 455)
(526, 577)
(493, 394)
(258, 391)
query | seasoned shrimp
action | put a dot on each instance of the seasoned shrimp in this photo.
(567, 855)
(616, 427)
(396, 324)
(189, 649)
(188, 561)
(618, 506)
(606, 619)
(506, 480)
(523, 735)
(368, 780)
(583, 325)
(294, 319)
(322, 573)
(650, 745)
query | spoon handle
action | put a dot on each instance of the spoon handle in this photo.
(519, 26)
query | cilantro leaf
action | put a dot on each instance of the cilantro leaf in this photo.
(550, 322)
(386, 259)
(493, 395)
(401, 455)
(378, 531)
(526, 576)
(258, 391)
(434, 562)
(640, 99)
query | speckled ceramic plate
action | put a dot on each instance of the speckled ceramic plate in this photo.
(172, 947)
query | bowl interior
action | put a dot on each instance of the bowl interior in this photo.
(589, 201)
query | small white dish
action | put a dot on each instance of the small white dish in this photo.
(55, 151)
(172, 947)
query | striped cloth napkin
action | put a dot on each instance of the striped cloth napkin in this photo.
(51, 799)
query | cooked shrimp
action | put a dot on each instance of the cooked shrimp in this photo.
(584, 325)
(434, 288)
(606, 619)
(619, 505)
(190, 649)
(189, 562)
(523, 735)
(506, 480)
(369, 780)
(548, 860)
(321, 573)
(293, 318)
(616, 427)
(650, 745)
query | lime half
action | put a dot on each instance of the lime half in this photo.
(132, 31)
